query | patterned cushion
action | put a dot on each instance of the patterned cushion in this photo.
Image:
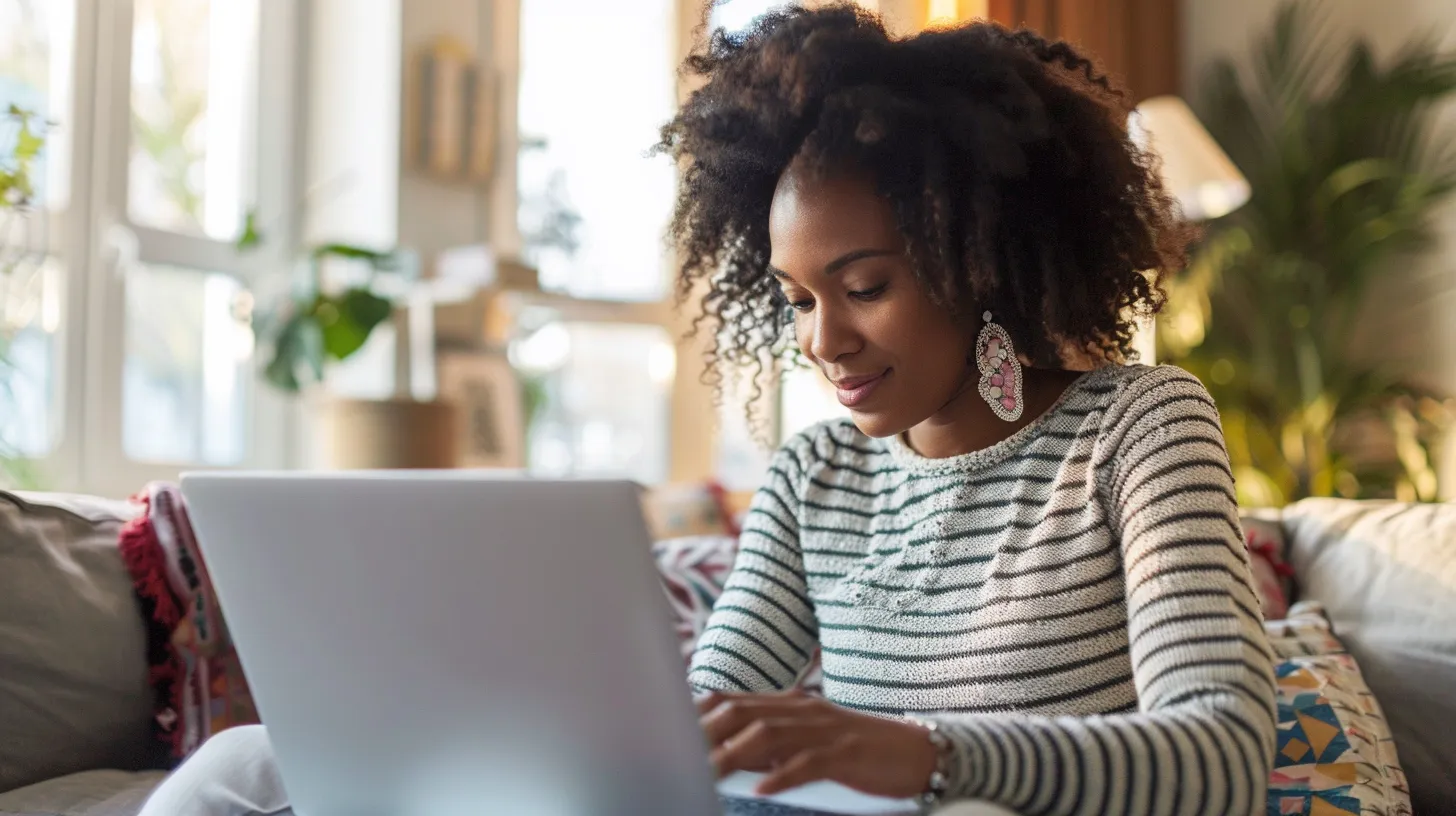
(693, 571)
(198, 678)
(1273, 576)
(1386, 574)
(1304, 633)
(1334, 753)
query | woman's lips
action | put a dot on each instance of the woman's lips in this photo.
(855, 390)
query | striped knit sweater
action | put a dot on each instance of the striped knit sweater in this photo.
(1072, 605)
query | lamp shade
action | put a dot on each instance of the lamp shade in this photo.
(1195, 169)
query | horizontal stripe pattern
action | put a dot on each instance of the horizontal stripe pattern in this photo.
(1073, 604)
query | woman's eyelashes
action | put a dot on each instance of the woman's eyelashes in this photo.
(803, 303)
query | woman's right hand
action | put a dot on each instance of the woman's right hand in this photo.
(797, 739)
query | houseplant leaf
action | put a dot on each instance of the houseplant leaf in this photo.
(250, 238)
(346, 321)
(375, 258)
(320, 326)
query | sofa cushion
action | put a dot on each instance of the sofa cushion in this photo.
(693, 570)
(1304, 632)
(1268, 561)
(197, 675)
(73, 675)
(1333, 753)
(91, 793)
(1385, 573)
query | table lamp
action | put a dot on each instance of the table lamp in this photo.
(1195, 171)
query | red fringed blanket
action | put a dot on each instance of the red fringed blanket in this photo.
(194, 669)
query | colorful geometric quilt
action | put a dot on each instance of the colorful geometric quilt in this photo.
(1334, 753)
(1304, 633)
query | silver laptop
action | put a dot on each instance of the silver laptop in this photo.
(448, 643)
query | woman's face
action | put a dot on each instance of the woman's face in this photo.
(860, 315)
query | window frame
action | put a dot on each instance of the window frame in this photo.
(691, 447)
(68, 242)
(94, 240)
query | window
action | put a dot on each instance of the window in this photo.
(193, 64)
(599, 361)
(188, 343)
(29, 364)
(604, 391)
(131, 350)
(736, 15)
(188, 374)
(598, 356)
(593, 205)
(36, 66)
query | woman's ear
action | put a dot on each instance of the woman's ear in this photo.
(968, 338)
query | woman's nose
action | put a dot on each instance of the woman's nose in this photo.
(831, 335)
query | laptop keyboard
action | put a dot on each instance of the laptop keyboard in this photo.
(756, 807)
(733, 806)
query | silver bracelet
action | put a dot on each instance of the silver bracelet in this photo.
(939, 782)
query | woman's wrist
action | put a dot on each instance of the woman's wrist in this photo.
(936, 760)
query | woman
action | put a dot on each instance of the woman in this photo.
(1027, 583)
(1020, 560)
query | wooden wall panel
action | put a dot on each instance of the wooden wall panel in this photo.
(1085, 24)
(1153, 57)
(1002, 11)
(1135, 41)
(1036, 14)
(1119, 42)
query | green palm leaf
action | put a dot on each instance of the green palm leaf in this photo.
(1347, 166)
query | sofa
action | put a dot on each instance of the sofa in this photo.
(77, 711)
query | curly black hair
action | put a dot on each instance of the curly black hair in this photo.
(1006, 158)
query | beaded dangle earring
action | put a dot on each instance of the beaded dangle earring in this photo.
(1000, 370)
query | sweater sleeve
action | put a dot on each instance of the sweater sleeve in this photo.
(1202, 738)
(762, 630)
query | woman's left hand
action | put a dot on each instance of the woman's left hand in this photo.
(797, 739)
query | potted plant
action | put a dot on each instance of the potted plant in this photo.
(326, 319)
(318, 323)
(1347, 165)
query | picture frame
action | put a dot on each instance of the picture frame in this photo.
(486, 391)
(450, 123)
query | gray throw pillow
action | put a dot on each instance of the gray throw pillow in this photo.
(1386, 574)
(90, 793)
(73, 673)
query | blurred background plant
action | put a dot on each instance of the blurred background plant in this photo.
(20, 148)
(22, 139)
(319, 323)
(1347, 165)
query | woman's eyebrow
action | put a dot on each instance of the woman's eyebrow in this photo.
(838, 263)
